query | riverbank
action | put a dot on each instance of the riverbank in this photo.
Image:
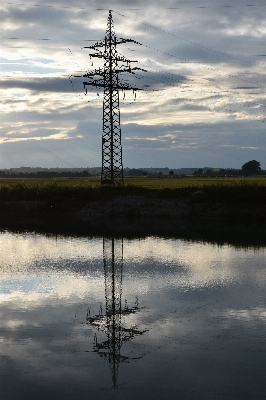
(218, 211)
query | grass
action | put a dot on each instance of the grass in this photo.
(73, 190)
(214, 206)
(222, 210)
(148, 183)
(43, 182)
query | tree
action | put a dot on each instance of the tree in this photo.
(171, 173)
(251, 168)
(199, 172)
(208, 172)
(222, 172)
(135, 172)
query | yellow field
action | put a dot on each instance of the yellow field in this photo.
(149, 183)
(172, 183)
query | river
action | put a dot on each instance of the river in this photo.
(139, 318)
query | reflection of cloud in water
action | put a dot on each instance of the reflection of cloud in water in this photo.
(257, 314)
(72, 267)
(206, 322)
(22, 251)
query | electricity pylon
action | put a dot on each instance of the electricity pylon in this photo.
(111, 322)
(108, 79)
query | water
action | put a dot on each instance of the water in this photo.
(153, 318)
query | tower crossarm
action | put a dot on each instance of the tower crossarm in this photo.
(116, 57)
(130, 70)
(122, 86)
(97, 55)
(125, 86)
(102, 43)
(99, 72)
(121, 41)
(94, 83)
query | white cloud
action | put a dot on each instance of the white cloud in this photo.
(204, 62)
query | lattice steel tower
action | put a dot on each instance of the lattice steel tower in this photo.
(111, 82)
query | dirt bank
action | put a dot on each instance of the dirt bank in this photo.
(139, 216)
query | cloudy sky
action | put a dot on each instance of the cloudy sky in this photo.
(204, 102)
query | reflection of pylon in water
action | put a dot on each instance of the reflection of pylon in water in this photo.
(111, 322)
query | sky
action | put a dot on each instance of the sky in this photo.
(204, 97)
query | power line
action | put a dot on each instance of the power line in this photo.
(186, 61)
(203, 66)
(193, 80)
(185, 5)
(186, 40)
(216, 95)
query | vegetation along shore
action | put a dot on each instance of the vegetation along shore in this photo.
(141, 205)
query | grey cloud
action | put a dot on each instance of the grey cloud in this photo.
(147, 81)
(216, 143)
(39, 84)
(54, 153)
(205, 33)
(66, 115)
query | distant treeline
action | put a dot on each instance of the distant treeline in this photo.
(203, 172)
(251, 168)
(226, 172)
(47, 174)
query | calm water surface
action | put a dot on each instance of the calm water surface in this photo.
(150, 318)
